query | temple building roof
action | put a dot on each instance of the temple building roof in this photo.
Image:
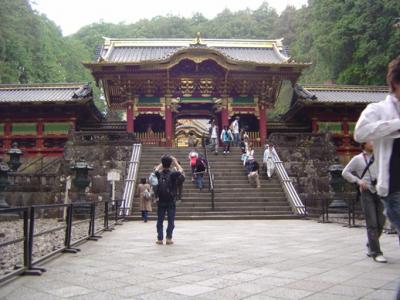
(65, 92)
(153, 50)
(341, 93)
(317, 97)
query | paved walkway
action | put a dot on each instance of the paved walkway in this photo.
(251, 260)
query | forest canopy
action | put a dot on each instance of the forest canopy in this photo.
(348, 42)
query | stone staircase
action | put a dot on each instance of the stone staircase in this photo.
(234, 197)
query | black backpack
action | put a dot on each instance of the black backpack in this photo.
(165, 189)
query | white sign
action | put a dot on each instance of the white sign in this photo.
(114, 175)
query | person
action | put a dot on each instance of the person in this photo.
(200, 169)
(235, 130)
(249, 154)
(166, 191)
(361, 170)
(192, 140)
(214, 137)
(145, 197)
(153, 181)
(193, 155)
(226, 138)
(268, 162)
(179, 184)
(380, 123)
(253, 175)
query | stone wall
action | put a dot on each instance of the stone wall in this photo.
(306, 157)
(102, 158)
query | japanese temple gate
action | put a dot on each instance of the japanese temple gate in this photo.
(157, 81)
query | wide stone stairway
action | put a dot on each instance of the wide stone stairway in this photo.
(234, 198)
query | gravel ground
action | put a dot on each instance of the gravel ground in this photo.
(12, 255)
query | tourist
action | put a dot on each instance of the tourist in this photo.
(145, 196)
(179, 184)
(268, 162)
(249, 154)
(362, 171)
(226, 138)
(380, 123)
(192, 141)
(193, 155)
(167, 184)
(200, 169)
(153, 181)
(253, 174)
(235, 130)
(214, 137)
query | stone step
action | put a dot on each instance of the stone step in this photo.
(222, 217)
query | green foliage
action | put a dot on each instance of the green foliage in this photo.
(348, 41)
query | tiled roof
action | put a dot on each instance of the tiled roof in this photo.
(142, 50)
(44, 93)
(341, 93)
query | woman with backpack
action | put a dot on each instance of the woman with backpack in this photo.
(199, 171)
(145, 197)
(193, 155)
(226, 138)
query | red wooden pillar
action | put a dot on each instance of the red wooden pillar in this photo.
(129, 117)
(39, 135)
(224, 117)
(345, 127)
(7, 135)
(263, 124)
(168, 126)
(314, 125)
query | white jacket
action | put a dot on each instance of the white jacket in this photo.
(380, 123)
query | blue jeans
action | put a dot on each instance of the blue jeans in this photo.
(199, 180)
(392, 209)
(171, 211)
(237, 138)
(374, 219)
(145, 215)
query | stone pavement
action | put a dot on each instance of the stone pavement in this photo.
(274, 259)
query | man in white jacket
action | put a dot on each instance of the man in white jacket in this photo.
(380, 123)
(361, 170)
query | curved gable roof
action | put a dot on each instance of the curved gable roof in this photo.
(150, 50)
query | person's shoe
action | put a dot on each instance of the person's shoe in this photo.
(228, 152)
(216, 153)
(159, 242)
(169, 242)
(380, 259)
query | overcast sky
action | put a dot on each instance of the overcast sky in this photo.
(71, 15)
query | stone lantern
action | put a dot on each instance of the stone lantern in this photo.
(15, 157)
(337, 184)
(81, 180)
(4, 183)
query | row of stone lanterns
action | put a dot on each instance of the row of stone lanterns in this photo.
(81, 168)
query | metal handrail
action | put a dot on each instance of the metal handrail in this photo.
(130, 180)
(291, 193)
(31, 164)
(210, 177)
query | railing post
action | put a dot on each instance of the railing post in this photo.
(68, 232)
(106, 216)
(30, 269)
(92, 236)
(26, 239)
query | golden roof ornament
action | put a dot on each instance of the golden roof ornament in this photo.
(197, 41)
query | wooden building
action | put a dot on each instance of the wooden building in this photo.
(40, 117)
(333, 109)
(157, 82)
